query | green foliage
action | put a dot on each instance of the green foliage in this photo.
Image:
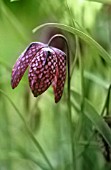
(36, 133)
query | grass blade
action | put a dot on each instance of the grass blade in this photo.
(80, 34)
(101, 1)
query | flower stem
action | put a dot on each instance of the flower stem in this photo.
(69, 96)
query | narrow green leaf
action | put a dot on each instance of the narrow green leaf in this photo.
(101, 1)
(27, 156)
(80, 34)
(94, 117)
(13, 0)
(94, 78)
(35, 141)
(14, 22)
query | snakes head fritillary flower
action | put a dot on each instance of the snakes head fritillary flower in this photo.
(47, 65)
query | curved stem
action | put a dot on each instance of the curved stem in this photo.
(68, 59)
(69, 95)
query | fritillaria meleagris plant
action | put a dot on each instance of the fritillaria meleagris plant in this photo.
(47, 65)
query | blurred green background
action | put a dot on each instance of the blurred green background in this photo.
(49, 121)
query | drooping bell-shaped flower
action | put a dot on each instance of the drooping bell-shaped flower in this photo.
(47, 65)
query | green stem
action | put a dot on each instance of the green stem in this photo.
(106, 104)
(82, 80)
(78, 56)
(108, 99)
(69, 96)
(37, 144)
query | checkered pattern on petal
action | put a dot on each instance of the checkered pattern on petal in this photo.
(23, 62)
(60, 76)
(42, 70)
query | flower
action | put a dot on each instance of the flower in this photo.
(47, 65)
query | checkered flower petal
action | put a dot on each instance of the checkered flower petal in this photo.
(60, 76)
(23, 62)
(42, 70)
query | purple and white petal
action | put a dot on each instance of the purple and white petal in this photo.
(23, 62)
(42, 70)
(59, 79)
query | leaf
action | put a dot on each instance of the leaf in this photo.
(27, 156)
(32, 137)
(99, 81)
(80, 34)
(14, 0)
(14, 22)
(93, 116)
(101, 1)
